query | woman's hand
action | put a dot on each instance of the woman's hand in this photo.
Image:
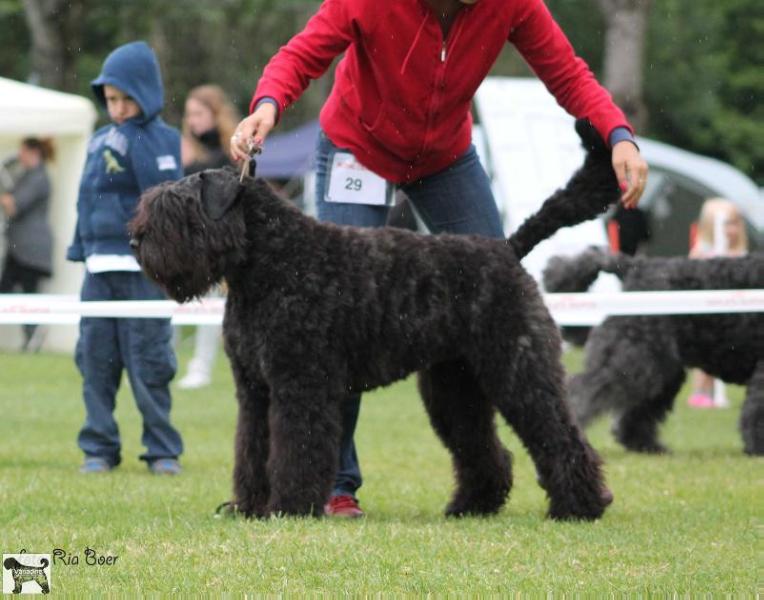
(631, 170)
(8, 204)
(252, 131)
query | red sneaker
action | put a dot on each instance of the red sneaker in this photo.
(344, 506)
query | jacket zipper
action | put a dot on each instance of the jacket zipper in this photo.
(452, 34)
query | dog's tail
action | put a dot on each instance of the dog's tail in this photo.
(590, 191)
(571, 274)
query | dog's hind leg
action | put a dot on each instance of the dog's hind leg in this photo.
(612, 378)
(633, 370)
(464, 419)
(636, 428)
(529, 394)
(653, 381)
(752, 415)
(305, 428)
(250, 479)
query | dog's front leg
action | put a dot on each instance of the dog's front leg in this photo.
(752, 415)
(305, 431)
(250, 478)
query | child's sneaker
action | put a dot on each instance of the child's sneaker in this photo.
(165, 466)
(700, 401)
(93, 464)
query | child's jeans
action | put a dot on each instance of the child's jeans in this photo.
(140, 346)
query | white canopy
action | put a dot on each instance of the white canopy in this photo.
(25, 111)
(533, 150)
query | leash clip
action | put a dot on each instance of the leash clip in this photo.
(249, 166)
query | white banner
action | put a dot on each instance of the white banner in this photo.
(67, 310)
(592, 308)
(567, 309)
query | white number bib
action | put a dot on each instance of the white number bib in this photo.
(352, 183)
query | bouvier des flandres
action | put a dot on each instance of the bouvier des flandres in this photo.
(315, 311)
(635, 365)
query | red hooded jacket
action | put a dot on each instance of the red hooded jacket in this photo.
(402, 93)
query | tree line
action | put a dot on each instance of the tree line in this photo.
(687, 72)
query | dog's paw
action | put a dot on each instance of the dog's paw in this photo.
(294, 509)
(234, 510)
(480, 503)
(459, 512)
(583, 507)
(648, 448)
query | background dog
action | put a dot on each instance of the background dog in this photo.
(316, 310)
(635, 365)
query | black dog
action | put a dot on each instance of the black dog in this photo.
(635, 365)
(22, 573)
(315, 311)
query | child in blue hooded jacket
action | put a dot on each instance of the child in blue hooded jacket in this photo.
(136, 151)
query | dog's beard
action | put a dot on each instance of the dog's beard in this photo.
(191, 281)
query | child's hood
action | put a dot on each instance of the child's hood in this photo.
(134, 69)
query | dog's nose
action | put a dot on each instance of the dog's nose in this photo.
(134, 243)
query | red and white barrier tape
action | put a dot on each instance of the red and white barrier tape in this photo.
(67, 310)
(567, 309)
(591, 309)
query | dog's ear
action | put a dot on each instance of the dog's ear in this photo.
(590, 137)
(220, 190)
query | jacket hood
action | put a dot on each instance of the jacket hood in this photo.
(134, 69)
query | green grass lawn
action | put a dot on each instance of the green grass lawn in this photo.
(684, 523)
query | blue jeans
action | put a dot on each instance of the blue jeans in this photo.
(456, 200)
(141, 347)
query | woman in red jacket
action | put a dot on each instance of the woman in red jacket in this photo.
(399, 115)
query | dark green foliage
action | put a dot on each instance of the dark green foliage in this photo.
(704, 81)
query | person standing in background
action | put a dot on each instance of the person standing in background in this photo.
(721, 232)
(209, 120)
(28, 256)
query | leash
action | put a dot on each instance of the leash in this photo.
(249, 166)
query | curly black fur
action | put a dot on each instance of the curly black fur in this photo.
(315, 311)
(636, 365)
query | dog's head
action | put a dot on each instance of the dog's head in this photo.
(186, 233)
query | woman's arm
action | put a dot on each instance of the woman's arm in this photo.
(307, 56)
(29, 191)
(548, 52)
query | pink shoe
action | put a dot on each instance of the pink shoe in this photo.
(700, 401)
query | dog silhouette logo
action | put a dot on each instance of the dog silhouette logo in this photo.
(26, 573)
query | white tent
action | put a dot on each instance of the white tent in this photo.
(532, 150)
(26, 110)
